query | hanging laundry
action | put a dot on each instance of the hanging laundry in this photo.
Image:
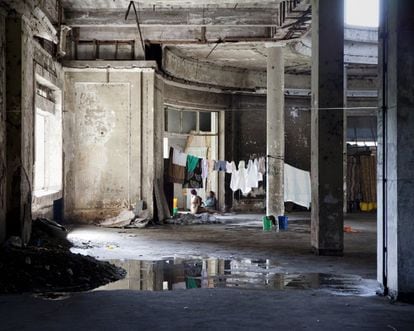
(243, 186)
(193, 173)
(297, 186)
(220, 166)
(259, 174)
(204, 168)
(211, 165)
(252, 175)
(229, 167)
(175, 173)
(261, 167)
(234, 181)
(192, 162)
(179, 158)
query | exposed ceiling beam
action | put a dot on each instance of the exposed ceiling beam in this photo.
(183, 17)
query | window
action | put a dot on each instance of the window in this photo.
(186, 122)
(48, 141)
(40, 160)
(362, 13)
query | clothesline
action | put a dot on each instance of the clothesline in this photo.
(190, 171)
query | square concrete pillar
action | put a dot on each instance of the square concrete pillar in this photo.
(327, 120)
(396, 150)
(19, 127)
(275, 131)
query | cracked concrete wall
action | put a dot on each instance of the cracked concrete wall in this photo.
(19, 101)
(111, 143)
(18, 53)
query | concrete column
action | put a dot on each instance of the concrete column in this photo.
(345, 156)
(222, 156)
(327, 119)
(396, 150)
(2, 126)
(275, 130)
(19, 127)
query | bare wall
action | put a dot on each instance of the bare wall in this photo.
(110, 144)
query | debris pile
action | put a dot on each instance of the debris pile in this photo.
(191, 219)
(137, 218)
(47, 265)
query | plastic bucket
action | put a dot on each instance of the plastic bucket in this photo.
(267, 223)
(283, 222)
(175, 211)
(363, 206)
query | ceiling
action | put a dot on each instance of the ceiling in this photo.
(165, 4)
(240, 55)
(232, 38)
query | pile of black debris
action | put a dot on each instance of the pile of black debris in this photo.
(47, 265)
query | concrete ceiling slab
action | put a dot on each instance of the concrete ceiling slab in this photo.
(168, 4)
(249, 56)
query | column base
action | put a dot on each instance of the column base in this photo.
(407, 297)
(327, 252)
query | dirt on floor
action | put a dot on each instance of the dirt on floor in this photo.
(47, 265)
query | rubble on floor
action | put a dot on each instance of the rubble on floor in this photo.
(137, 218)
(191, 219)
(47, 265)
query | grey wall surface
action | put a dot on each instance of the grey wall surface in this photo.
(109, 141)
(396, 154)
(249, 131)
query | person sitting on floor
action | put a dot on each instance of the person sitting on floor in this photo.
(211, 201)
(196, 201)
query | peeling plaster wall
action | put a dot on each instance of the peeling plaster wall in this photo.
(2, 127)
(19, 100)
(20, 22)
(111, 143)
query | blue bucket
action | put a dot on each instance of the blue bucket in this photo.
(283, 222)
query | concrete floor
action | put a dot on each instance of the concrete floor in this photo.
(218, 308)
(241, 237)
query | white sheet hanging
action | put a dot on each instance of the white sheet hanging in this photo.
(252, 175)
(179, 158)
(297, 186)
(243, 185)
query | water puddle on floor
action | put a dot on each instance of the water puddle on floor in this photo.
(177, 274)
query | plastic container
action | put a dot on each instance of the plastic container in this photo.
(283, 222)
(175, 211)
(363, 206)
(267, 223)
(371, 206)
(175, 203)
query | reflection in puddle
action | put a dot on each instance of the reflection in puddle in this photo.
(177, 273)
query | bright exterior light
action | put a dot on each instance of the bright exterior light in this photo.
(362, 12)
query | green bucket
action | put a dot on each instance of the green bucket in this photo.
(267, 223)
